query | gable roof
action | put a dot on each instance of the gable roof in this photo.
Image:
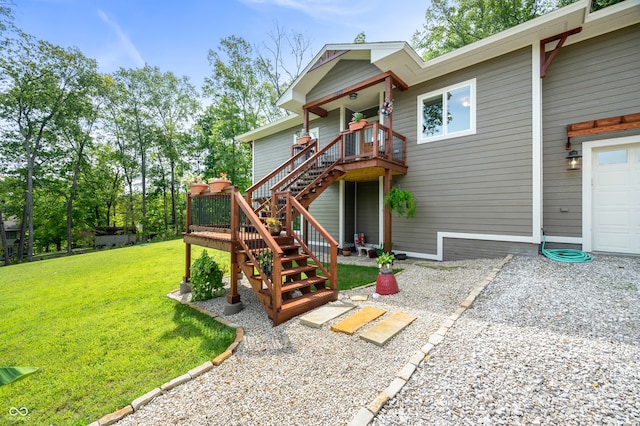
(399, 58)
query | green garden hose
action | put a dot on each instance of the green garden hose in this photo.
(565, 255)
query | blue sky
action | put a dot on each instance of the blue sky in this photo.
(177, 35)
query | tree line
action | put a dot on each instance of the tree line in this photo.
(81, 150)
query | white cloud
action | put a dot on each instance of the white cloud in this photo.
(125, 45)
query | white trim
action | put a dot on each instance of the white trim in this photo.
(587, 179)
(564, 240)
(536, 145)
(469, 236)
(380, 209)
(442, 92)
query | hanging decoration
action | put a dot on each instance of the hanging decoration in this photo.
(387, 108)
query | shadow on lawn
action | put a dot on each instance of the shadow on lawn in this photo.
(192, 324)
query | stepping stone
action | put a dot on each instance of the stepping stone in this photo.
(350, 324)
(380, 333)
(359, 297)
(318, 317)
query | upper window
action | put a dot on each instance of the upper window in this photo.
(447, 113)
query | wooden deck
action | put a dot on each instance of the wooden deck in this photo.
(211, 239)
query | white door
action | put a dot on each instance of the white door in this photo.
(616, 199)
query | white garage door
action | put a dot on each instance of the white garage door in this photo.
(616, 199)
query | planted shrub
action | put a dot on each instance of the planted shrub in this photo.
(206, 278)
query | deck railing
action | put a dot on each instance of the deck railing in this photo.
(374, 141)
(260, 247)
(259, 194)
(315, 241)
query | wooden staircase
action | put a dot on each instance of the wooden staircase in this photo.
(303, 285)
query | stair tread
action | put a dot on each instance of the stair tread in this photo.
(301, 300)
(298, 270)
(294, 285)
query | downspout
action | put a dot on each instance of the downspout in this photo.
(536, 145)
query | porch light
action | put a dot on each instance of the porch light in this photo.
(353, 96)
(573, 160)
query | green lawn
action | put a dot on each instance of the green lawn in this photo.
(101, 331)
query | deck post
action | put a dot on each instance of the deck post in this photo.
(233, 297)
(187, 267)
(387, 213)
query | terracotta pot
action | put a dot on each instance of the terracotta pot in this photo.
(302, 140)
(346, 252)
(357, 125)
(372, 253)
(217, 184)
(197, 188)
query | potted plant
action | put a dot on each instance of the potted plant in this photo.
(386, 282)
(196, 185)
(303, 137)
(274, 225)
(400, 202)
(357, 121)
(385, 261)
(265, 259)
(218, 184)
(346, 251)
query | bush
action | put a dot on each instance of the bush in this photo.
(206, 278)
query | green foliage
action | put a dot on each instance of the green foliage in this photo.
(601, 4)
(360, 38)
(451, 25)
(401, 202)
(206, 278)
(10, 374)
(385, 260)
(101, 329)
(265, 259)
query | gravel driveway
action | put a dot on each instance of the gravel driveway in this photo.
(544, 343)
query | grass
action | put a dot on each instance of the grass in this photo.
(101, 330)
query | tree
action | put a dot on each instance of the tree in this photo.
(42, 81)
(360, 38)
(290, 46)
(451, 25)
(172, 103)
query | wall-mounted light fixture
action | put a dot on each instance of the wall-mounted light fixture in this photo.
(353, 96)
(573, 160)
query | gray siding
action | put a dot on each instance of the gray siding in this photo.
(275, 149)
(343, 74)
(458, 249)
(478, 183)
(597, 78)
(367, 213)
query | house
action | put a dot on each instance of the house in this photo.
(486, 132)
(12, 232)
(483, 138)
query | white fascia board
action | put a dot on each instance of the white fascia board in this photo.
(271, 128)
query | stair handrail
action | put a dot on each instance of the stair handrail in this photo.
(294, 205)
(274, 284)
(254, 188)
(283, 184)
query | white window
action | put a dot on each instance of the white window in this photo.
(447, 113)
